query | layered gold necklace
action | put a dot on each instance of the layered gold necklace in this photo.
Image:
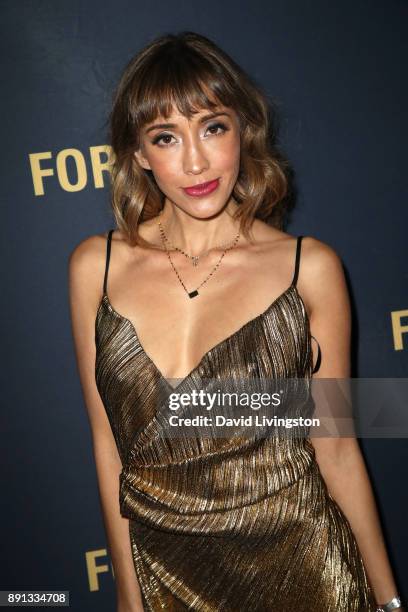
(194, 258)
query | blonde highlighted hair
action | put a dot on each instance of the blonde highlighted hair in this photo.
(190, 72)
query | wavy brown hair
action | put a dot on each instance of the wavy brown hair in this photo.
(190, 72)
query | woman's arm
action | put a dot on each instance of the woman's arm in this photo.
(340, 460)
(86, 269)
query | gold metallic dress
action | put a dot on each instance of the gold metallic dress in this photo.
(238, 525)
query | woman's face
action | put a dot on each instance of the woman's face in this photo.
(182, 153)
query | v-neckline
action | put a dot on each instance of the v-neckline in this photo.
(261, 315)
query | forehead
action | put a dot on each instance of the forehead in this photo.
(198, 115)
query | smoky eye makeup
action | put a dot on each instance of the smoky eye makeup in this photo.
(219, 125)
(159, 138)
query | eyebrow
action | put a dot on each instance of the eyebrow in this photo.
(166, 126)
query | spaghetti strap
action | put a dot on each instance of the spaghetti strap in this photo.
(297, 260)
(294, 281)
(319, 357)
(108, 250)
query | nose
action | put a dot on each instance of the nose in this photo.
(195, 160)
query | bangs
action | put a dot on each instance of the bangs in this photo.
(184, 81)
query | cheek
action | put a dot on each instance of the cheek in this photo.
(229, 156)
(229, 149)
(164, 168)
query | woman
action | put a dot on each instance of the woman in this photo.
(199, 282)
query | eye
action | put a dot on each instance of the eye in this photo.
(161, 138)
(218, 125)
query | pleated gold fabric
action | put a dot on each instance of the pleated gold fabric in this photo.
(226, 525)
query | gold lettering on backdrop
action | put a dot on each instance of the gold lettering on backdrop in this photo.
(37, 172)
(80, 168)
(94, 569)
(398, 329)
(99, 166)
(100, 161)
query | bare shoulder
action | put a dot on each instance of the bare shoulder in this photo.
(319, 260)
(316, 254)
(321, 275)
(86, 266)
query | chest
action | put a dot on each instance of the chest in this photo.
(275, 343)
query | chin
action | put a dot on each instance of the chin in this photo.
(205, 209)
(205, 212)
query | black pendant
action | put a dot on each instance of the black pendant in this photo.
(193, 293)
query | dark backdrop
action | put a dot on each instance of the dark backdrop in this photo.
(337, 72)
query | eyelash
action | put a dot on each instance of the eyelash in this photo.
(159, 137)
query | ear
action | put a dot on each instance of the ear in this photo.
(142, 160)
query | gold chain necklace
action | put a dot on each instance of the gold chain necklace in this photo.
(192, 294)
(195, 258)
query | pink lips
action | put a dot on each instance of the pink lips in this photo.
(202, 189)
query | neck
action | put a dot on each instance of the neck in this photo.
(198, 235)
